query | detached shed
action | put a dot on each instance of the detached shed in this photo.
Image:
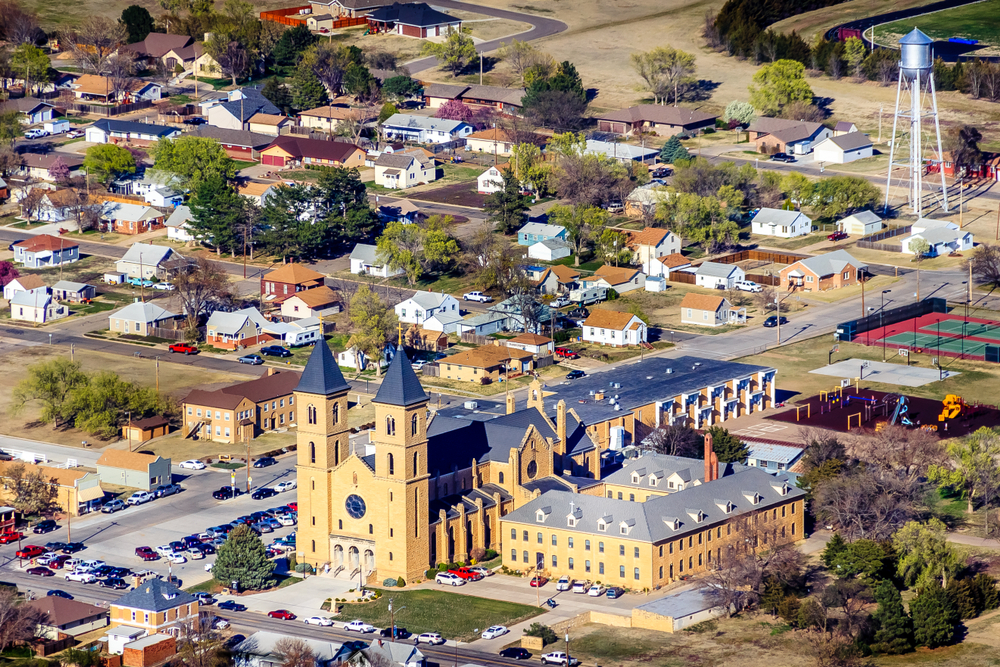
(133, 469)
(676, 612)
(146, 429)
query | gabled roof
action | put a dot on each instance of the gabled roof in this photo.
(830, 263)
(179, 216)
(38, 296)
(143, 312)
(70, 286)
(146, 253)
(223, 322)
(511, 96)
(322, 375)
(159, 44)
(617, 150)
(24, 105)
(110, 125)
(616, 275)
(242, 138)
(608, 319)
(656, 113)
(429, 300)
(715, 269)
(154, 595)
(293, 274)
(63, 476)
(778, 217)
(300, 147)
(411, 13)
(30, 281)
(59, 612)
(317, 297)
(116, 210)
(400, 386)
(851, 141)
(530, 339)
(702, 301)
(844, 126)
(538, 228)
(119, 458)
(424, 123)
(650, 236)
(937, 235)
(674, 260)
(261, 118)
(365, 252)
(252, 103)
(46, 242)
(564, 273)
(486, 356)
(864, 217)
(503, 136)
(768, 125)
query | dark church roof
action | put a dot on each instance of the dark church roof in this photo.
(400, 386)
(322, 375)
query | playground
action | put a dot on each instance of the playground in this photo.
(939, 334)
(846, 409)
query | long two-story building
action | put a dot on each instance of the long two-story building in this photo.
(241, 411)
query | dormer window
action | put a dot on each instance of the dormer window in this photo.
(542, 513)
(672, 522)
(725, 505)
(652, 481)
(752, 496)
(571, 522)
(697, 515)
(626, 526)
(602, 523)
(670, 485)
(635, 478)
(782, 488)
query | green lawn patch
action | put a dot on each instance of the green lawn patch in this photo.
(24, 224)
(609, 645)
(91, 308)
(229, 466)
(975, 21)
(454, 616)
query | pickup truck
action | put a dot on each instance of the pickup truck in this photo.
(477, 296)
(183, 348)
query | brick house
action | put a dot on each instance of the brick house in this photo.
(778, 135)
(665, 121)
(489, 362)
(155, 606)
(412, 19)
(619, 278)
(149, 650)
(237, 330)
(130, 218)
(280, 284)
(219, 415)
(822, 272)
(289, 150)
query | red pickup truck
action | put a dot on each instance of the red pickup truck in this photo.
(183, 348)
(566, 353)
(10, 536)
(30, 551)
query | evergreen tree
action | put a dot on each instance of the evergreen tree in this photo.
(387, 111)
(727, 447)
(774, 594)
(934, 617)
(242, 559)
(138, 23)
(307, 90)
(507, 207)
(216, 209)
(277, 94)
(833, 549)
(894, 628)
(291, 45)
(673, 151)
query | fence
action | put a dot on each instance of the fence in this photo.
(291, 16)
(846, 331)
(680, 277)
(871, 241)
(431, 371)
(169, 334)
(762, 279)
(99, 110)
(768, 256)
(475, 339)
(445, 146)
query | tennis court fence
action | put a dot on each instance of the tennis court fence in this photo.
(846, 331)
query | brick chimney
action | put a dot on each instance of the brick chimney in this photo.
(561, 424)
(510, 403)
(709, 459)
(715, 467)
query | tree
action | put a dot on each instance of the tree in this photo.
(343, 203)
(557, 109)
(232, 56)
(241, 559)
(965, 152)
(528, 168)
(200, 286)
(31, 491)
(193, 159)
(18, 25)
(864, 504)
(851, 597)
(839, 196)
(51, 383)
(200, 645)
(292, 44)
(522, 56)
(507, 207)
(665, 69)
(30, 64)
(894, 628)
(277, 93)
(10, 127)
(454, 110)
(799, 188)
(854, 53)
(919, 247)
(8, 272)
(455, 52)
(294, 652)
(972, 464)
(777, 85)
(329, 63)
(493, 262)
(358, 81)
(401, 88)
(59, 170)
(374, 323)
(108, 161)
(673, 151)
(307, 89)
(727, 447)
(611, 247)
(741, 112)
(674, 440)
(216, 211)
(17, 620)
(96, 41)
(897, 450)
(138, 23)
(925, 556)
(865, 559)
(934, 617)
(99, 407)
(399, 248)
(985, 263)
(834, 548)
(582, 223)
(387, 111)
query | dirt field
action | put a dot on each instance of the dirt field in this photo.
(459, 194)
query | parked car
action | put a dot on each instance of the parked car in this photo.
(401, 633)
(55, 546)
(661, 172)
(449, 578)
(73, 547)
(355, 645)
(73, 134)
(219, 623)
(283, 614)
(287, 485)
(579, 313)
(566, 353)
(263, 492)
(10, 536)
(183, 348)
(113, 583)
(837, 236)
(194, 553)
(538, 582)
(359, 626)
(35, 134)
(494, 631)
(275, 351)
(252, 359)
(205, 598)
(485, 571)
(195, 120)
(113, 506)
(232, 605)
(30, 551)
(265, 461)
(466, 573)
(614, 592)
(517, 653)
(564, 583)
(596, 591)
(82, 577)
(41, 571)
(477, 296)
(559, 658)
(431, 638)
(319, 620)
(139, 498)
(747, 286)
(192, 465)
(773, 321)
(167, 490)
(46, 526)
(226, 492)
(574, 374)
(57, 593)
(782, 157)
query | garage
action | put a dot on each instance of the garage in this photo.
(844, 148)
(272, 160)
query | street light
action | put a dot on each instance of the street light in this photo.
(881, 319)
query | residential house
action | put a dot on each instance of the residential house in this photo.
(504, 100)
(155, 606)
(418, 338)
(619, 278)
(22, 284)
(258, 192)
(412, 19)
(780, 223)
(393, 654)
(236, 330)
(320, 302)
(664, 265)
(77, 491)
(487, 363)
(610, 327)
(134, 469)
(130, 218)
(329, 117)
(778, 135)
(144, 260)
(398, 171)
(714, 275)
(423, 305)
(291, 278)
(533, 232)
(402, 210)
(141, 319)
(423, 129)
(707, 310)
(513, 310)
(238, 144)
(156, 188)
(844, 127)
(58, 616)
(178, 225)
(644, 200)
(650, 244)
(483, 324)
(264, 404)
(843, 148)
(242, 105)
(664, 121)
(623, 153)
(149, 650)
(296, 333)
(108, 130)
(45, 250)
(499, 142)
(66, 290)
(554, 279)
(830, 271)
(4, 191)
(354, 358)
(263, 648)
(38, 165)
(490, 181)
(940, 240)
(268, 124)
(291, 150)
(364, 261)
(533, 343)
(549, 250)
(445, 322)
(144, 430)
(55, 205)
(174, 50)
(36, 305)
(94, 88)
(32, 110)
(862, 223)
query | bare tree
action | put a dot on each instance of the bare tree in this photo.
(986, 263)
(897, 450)
(96, 40)
(833, 650)
(121, 68)
(18, 25)
(233, 58)
(17, 621)
(866, 504)
(674, 440)
(32, 491)
(202, 646)
(294, 652)
(10, 161)
(347, 289)
(31, 203)
(198, 287)
(764, 299)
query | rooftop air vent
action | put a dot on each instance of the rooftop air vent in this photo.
(669, 371)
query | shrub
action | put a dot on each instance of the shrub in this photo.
(430, 574)
(442, 567)
(389, 582)
(305, 567)
(292, 560)
(547, 634)
(612, 295)
(490, 554)
(400, 582)
(477, 554)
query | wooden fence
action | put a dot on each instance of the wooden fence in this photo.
(169, 334)
(679, 277)
(768, 256)
(432, 370)
(762, 279)
(475, 339)
(872, 241)
(99, 110)
(291, 17)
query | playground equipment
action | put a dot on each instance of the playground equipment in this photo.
(953, 407)
(798, 409)
(902, 407)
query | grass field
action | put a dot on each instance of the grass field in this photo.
(975, 21)
(454, 616)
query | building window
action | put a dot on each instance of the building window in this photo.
(635, 574)
(621, 571)
(571, 563)
(621, 549)
(391, 465)
(513, 555)
(539, 538)
(312, 452)
(336, 413)
(611, 495)
(555, 540)
(670, 547)
(699, 560)
(680, 567)
(513, 534)
(793, 529)
(600, 547)
(554, 560)
(500, 478)
(635, 553)
(340, 524)
(371, 529)
(524, 554)
(631, 497)
(586, 566)
(699, 538)
(524, 535)
(390, 426)
(600, 568)
(413, 425)
(586, 545)
(793, 508)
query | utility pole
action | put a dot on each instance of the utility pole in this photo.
(157, 375)
(777, 303)
(862, 278)
(130, 431)
(970, 281)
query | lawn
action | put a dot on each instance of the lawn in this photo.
(788, 244)
(91, 308)
(975, 21)
(454, 616)
(179, 448)
(873, 287)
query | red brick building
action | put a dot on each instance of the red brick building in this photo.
(282, 283)
(148, 651)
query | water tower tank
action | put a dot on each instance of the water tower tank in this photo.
(915, 52)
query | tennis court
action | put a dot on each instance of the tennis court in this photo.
(970, 329)
(929, 343)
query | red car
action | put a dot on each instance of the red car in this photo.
(146, 553)
(283, 614)
(183, 348)
(466, 573)
(294, 506)
(57, 562)
(10, 536)
(30, 551)
(538, 582)
(41, 572)
(566, 353)
(837, 236)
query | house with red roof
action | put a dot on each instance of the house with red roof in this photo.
(46, 250)
(290, 150)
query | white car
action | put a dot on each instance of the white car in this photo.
(477, 296)
(559, 302)
(449, 578)
(580, 586)
(73, 134)
(47, 559)
(220, 623)
(139, 497)
(319, 620)
(192, 465)
(286, 519)
(176, 559)
(164, 550)
(92, 564)
(82, 577)
(431, 638)
(596, 591)
(748, 286)
(495, 631)
(485, 571)
(165, 287)
(559, 658)
(35, 134)
(288, 485)
(359, 626)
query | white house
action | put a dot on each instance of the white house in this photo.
(618, 278)
(424, 130)
(445, 321)
(490, 181)
(395, 654)
(36, 305)
(942, 241)
(178, 225)
(261, 649)
(843, 148)
(844, 127)
(422, 305)
(549, 250)
(143, 259)
(665, 265)
(718, 276)
(32, 110)
(364, 261)
(533, 232)
(861, 224)
(358, 360)
(610, 327)
(22, 284)
(107, 129)
(781, 223)
(530, 342)
(45, 250)
(398, 171)
(650, 244)
(242, 105)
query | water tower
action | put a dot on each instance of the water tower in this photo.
(916, 79)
